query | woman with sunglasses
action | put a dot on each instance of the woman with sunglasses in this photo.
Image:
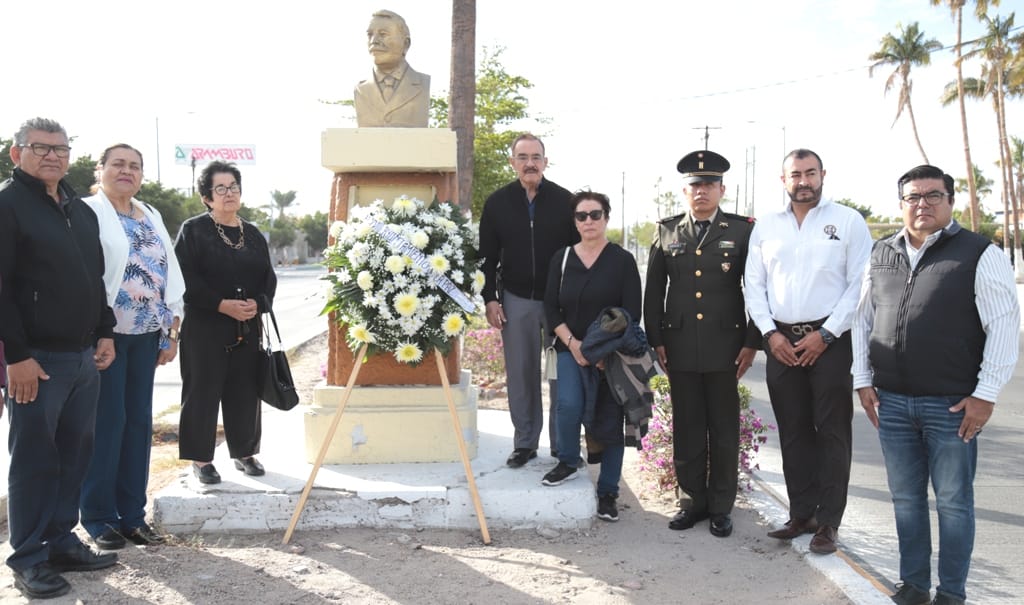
(228, 279)
(583, 280)
(144, 287)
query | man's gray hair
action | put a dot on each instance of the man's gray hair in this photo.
(403, 28)
(43, 124)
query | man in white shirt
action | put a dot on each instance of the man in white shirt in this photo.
(935, 339)
(802, 280)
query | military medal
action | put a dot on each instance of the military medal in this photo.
(726, 267)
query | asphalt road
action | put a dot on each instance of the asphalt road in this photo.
(868, 533)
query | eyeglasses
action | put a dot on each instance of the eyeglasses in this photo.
(523, 158)
(932, 198)
(223, 189)
(42, 149)
(595, 215)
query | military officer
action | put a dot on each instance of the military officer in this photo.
(695, 320)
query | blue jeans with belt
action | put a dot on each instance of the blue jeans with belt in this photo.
(50, 443)
(570, 419)
(114, 491)
(919, 441)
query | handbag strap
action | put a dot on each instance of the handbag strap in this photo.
(561, 278)
(273, 320)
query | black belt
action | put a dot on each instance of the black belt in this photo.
(801, 329)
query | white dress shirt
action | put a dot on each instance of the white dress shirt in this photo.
(995, 295)
(802, 273)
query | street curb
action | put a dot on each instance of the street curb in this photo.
(859, 585)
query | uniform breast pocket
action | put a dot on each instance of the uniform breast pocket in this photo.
(827, 253)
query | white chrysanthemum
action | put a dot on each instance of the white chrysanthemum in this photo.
(336, 229)
(408, 352)
(439, 263)
(364, 280)
(419, 239)
(478, 281)
(395, 264)
(360, 334)
(344, 276)
(406, 304)
(452, 324)
(404, 206)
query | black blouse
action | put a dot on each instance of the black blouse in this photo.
(214, 271)
(612, 281)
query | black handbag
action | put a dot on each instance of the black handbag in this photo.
(276, 387)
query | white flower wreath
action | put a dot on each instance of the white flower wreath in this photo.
(404, 278)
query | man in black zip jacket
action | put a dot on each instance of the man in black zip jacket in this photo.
(58, 333)
(522, 226)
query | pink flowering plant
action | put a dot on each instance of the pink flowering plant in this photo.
(483, 355)
(657, 470)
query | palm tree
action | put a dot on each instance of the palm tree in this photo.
(904, 52)
(462, 104)
(282, 200)
(997, 48)
(983, 183)
(957, 9)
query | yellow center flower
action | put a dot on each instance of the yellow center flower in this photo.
(408, 352)
(439, 263)
(406, 304)
(360, 334)
(395, 264)
(453, 324)
(365, 280)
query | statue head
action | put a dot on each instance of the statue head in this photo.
(388, 39)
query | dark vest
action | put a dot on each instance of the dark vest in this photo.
(927, 337)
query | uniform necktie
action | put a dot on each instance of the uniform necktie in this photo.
(702, 229)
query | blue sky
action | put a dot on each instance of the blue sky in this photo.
(624, 87)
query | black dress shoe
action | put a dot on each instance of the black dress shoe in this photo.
(206, 474)
(520, 456)
(685, 519)
(721, 526)
(81, 558)
(251, 466)
(144, 535)
(40, 582)
(110, 540)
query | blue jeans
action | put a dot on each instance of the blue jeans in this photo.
(114, 491)
(569, 421)
(50, 443)
(919, 440)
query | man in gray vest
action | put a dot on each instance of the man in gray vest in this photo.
(935, 338)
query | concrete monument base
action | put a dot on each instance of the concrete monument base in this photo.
(392, 423)
(404, 495)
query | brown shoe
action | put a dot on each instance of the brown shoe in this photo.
(824, 540)
(795, 528)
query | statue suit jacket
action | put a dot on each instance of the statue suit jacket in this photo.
(407, 108)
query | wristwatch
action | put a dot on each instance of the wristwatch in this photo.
(827, 336)
(767, 336)
(173, 334)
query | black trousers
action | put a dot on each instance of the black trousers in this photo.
(814, 410)
(214, 379)
(706, 438)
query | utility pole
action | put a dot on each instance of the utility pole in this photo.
(707, 135)
(158, 149)
(624, 211)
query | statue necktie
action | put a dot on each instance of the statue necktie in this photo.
(387, 87)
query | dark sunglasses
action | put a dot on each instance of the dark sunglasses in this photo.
(595, 215)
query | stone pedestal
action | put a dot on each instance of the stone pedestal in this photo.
(392, 423)
(387, 419)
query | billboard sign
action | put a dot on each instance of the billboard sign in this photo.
(204, 154)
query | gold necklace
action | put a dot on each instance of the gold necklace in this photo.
(226, 239)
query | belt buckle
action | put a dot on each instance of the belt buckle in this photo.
(801, 329)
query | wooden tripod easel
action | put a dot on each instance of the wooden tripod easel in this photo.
(456, 424)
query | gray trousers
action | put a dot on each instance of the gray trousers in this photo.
(523, 340)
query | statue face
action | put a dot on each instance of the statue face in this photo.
(386, 42)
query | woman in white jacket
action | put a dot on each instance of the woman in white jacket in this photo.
(145, 289)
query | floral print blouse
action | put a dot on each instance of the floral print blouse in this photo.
(139, 307)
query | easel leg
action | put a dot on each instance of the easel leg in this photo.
(457, 425)
(325, 445)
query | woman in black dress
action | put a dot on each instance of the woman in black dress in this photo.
(582, 281)
(228, 278)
